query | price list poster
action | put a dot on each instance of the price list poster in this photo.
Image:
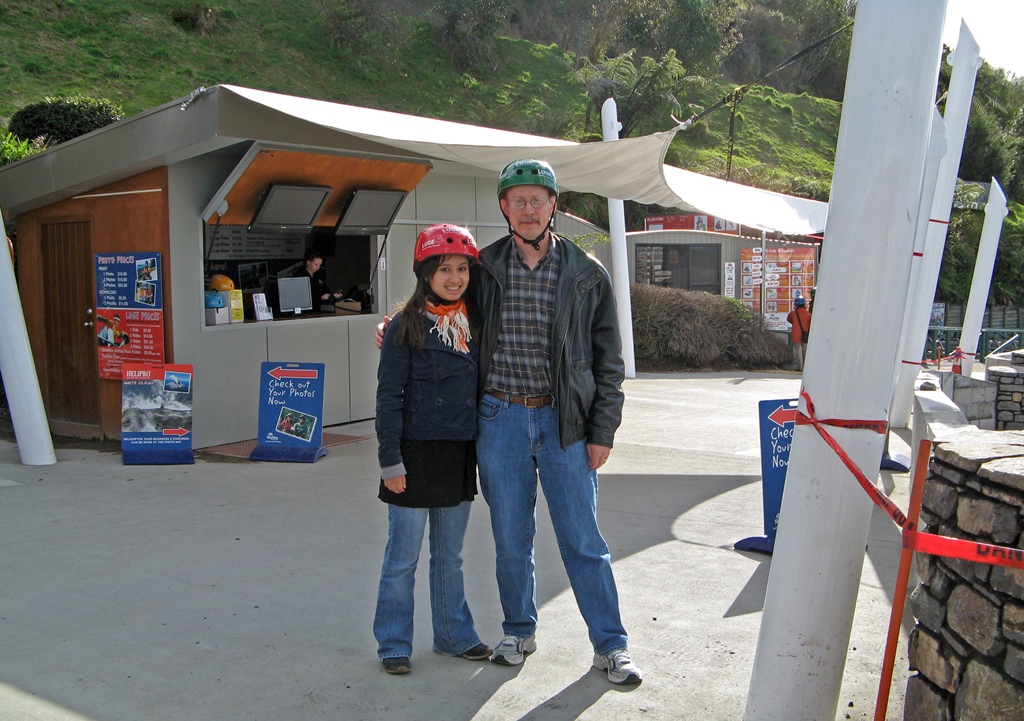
(129, 311)
(772, 278)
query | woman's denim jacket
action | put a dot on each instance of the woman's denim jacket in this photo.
(424, 394)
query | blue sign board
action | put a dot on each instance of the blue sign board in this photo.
(777, 420)
(291, 412)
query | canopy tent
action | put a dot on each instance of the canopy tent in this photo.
(626, 169)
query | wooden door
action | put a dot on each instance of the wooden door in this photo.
(72, 374)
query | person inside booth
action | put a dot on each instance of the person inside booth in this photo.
(312, 269)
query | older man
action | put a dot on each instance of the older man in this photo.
(550, 378)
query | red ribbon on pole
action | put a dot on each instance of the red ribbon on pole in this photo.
(809, 419)
(913, 539)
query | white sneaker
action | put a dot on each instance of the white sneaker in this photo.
(513, 649)
(620, 667)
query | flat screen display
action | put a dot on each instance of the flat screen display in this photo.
(370, 212)
(294, 295)
(289, 208)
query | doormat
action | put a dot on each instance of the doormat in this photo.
(242, 449)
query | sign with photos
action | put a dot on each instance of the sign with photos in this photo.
(129, 311)
(156, 413)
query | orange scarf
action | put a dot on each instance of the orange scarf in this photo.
(452, 325)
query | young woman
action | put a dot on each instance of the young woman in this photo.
(426, 426)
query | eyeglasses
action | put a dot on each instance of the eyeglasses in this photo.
(520, 203)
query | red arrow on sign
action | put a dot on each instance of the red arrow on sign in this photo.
(781, 416)
(280, 373)
(175, 432)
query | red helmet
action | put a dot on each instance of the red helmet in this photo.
(443, 239)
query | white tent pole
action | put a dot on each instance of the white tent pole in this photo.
(865, 269)
(965, 61)
(995, 211)
(936, 149)
(35, 446)
(620, 257)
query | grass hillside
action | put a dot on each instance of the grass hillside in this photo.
(135, 53)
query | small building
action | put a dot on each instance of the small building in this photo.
(241, 183)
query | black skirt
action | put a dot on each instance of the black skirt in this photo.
(438, 474)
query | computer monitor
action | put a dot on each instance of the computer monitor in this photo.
(289, 208)
(294, 295)
(370, 212)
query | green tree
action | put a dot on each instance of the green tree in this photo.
(645, 94)
(994, 146)
(1015, 184)
(774, 30)
(987, 153)
(468, 28)
(965, 226)
(701, 32)
(1008, 277)
(585, 29)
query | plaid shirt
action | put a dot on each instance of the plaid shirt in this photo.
(522, 361)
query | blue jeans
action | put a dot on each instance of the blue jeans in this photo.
(453, 623)
(514, 445)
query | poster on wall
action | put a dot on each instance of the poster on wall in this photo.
(129, 311)
(751, 270)
(156, 414)
(773, 278)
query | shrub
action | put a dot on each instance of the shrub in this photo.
(368, 27)
(679, 329)
(13, 148)
(198, 17)
(61, 119)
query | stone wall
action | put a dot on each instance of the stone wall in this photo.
(1009, 380)
(975, 397)
(968, 645)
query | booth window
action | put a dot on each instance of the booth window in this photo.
(688, 267)
(268, 255)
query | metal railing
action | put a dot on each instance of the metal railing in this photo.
(943, 340)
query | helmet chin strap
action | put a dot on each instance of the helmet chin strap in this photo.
(535, 242)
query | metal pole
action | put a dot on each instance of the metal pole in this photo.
(965, 61)
(995, 211)
(35, 446)
(620, 258)
(899, 595)
(865, 269)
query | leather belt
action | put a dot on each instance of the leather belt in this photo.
(527, 401)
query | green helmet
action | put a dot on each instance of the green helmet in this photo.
(527, 172)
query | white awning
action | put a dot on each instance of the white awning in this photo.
(626, 169)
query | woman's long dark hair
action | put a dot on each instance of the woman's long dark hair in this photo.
(410, 323)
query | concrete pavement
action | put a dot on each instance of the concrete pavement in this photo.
(233, 590)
